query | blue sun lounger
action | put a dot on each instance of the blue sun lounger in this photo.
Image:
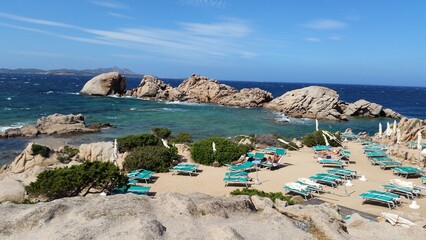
(321, 148)
(331, 163)
(324, 180)
(423, 179)
(145, 175)
(390, 164)
(376, 154)
(290, 188)
(377, 160)
(236, 174)
(406, 192)
(345, 173)
(142, 190)
(187, 168)
(395, 197)
(236, 180)
(407, 171)
(380, 198)
(243, 167)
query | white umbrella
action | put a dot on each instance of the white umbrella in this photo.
(388, 129)
(394, 126)
(326, 141)
(165, 143)
(380, 130)
(114, 154)
(419, 140)
(214, 146)
(316, 124)
(398, 135)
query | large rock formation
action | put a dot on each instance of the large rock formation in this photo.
(105, 84)
(153, 88)
(247, 97)
(365, 108)
(55, 124)
(193, 216)
(309, 102)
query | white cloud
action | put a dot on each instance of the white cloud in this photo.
(110, 4)
(312, 39)
(325, 24)
(35, 21)
(118, 15)
(203, 3)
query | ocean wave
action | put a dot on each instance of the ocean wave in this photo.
(49, 92)
(36, 84)
(113, 96)
(132, 109)
(173, 109)
(7, 109)
(9, 98)
(186, 103)
(281, 117)
(72, 93)
(4, 128)
(110, 117)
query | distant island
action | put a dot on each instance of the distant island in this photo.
(65, 71)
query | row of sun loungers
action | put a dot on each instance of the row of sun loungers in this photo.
(138, 175)
(186, 168)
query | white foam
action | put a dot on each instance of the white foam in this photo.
(9, 98)
(132, 109)
(72, 93)
(186, 103)
(49, 92)
(3, 129)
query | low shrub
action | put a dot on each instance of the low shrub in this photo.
(128, 143)
(272, 195)
(317, 138)
(75, 180)
(40, 150)
(154, 158)
(163, 133)
(67, 153)
(226, 151)
(182, 137)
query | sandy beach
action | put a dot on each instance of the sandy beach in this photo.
(297, 164)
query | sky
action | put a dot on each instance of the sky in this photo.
(378, 42)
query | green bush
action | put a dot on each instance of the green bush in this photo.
(317, 138)
(272, 195)
(131, 142)
(226, 151)
(67, 153)
(75, 180)
(182, 137)
(154, 158)
(163, 133)
(40, 149)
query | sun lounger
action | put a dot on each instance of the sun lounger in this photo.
(324, 180)
(143, 190)
(376, 154)
(119, 190)
(315, 187)
(270, 166)
(236, 174)
(423, 179)
(390, 164)
(145, 175)
(236, 180)
(368, 196)
(407, 171)
(406, 192)
(259, 155)
(243, 167)
(188, 169)
(376, 160)
(345, 173)
(331, 163)
(298, 189)
(321, 148)
(395, 197)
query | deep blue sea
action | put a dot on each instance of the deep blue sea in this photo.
(26, 98)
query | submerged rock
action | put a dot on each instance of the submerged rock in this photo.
(105, 84)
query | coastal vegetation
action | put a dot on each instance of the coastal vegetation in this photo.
(163, 133)
(131, 142)
(67, 153)
(226, 151)
(76, 180)
(40, 150)
(271, 195)
(317, 138)
(182, 137)
(153, 158)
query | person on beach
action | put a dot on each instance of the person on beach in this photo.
(240, 160)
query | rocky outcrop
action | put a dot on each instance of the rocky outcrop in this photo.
(409, 128)
(365, 108)
(100, 151)
(105, 84)
(247, 97)
(55, 124)
(193, 216)
(11, 190)
(309, 102)
(153, 88)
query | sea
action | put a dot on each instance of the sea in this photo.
(27, 97)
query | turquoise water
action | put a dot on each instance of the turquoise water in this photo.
(31, 97)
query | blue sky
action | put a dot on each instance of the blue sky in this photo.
(319, 41)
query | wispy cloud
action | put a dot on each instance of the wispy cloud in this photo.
(203, 3)
(118, 15)
(187, 40)
(110, 4)
(312, 39)
(325, 24)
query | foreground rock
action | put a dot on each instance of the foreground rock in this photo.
(309, 102)
(177, 216)
(105, 84)
(55, 124)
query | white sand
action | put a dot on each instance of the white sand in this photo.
(301, 164)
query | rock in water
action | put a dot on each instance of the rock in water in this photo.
(105, 84)
(153, 88)
(63, 124)
(310, 102)
(365, 108)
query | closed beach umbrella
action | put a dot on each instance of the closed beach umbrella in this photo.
(316, 124)
(380, 129)
(165, 143)
(394, 126)
(326, 141)
(419, 140)
(115, 149)
(214, 146)
(388, 129)
(398, 135)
